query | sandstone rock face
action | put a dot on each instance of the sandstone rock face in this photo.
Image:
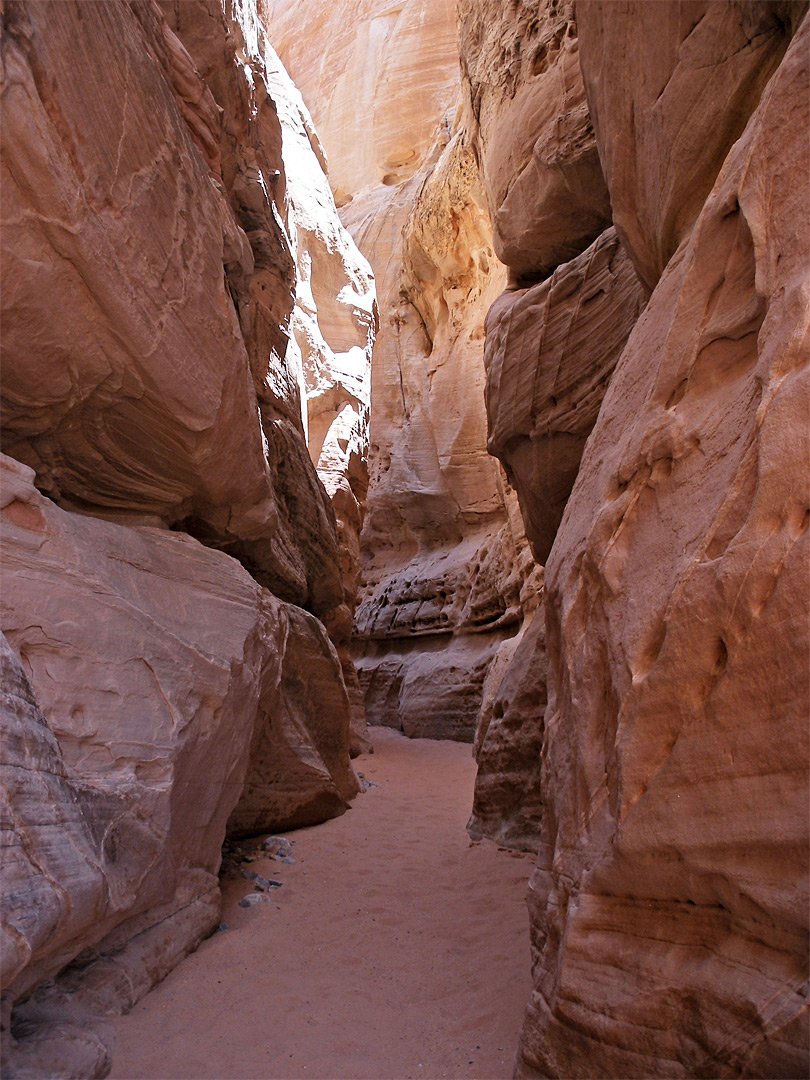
(670, 88)
(142, 742)
(529, 118)
(550, 352)
(508, 799)
(551, 345)
(443, 552)
(177, 289)
(334, 322)
(670, 900)
(176, 341)
(378, 78)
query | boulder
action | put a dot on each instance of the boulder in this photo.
(528, 118)
(157, 662)
(550, 352)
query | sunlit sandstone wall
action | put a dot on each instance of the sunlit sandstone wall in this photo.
(180, 303)
(665, 774)
(447, 574)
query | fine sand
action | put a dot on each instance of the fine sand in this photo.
(395, 947)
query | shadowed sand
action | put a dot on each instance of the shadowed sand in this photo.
(395, 947)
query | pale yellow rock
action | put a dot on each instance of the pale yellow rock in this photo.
(669, 907)
(377, 77)
(441, 525)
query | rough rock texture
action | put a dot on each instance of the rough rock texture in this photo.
(176, 285)
(550, 352)
(143, 741)
(443, 551)
(669, 907)
(334, 322)
(508, 803)
(671, 87)
(552, 338)
(174, 341)
(529, 119)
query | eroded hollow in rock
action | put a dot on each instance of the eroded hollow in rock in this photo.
(439, 367)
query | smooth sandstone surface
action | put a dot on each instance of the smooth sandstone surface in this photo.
(528, 116)
(146, 736)
(378, 78)
(670, 901)
(443, 553)
(670, 88)
(550, 352)
(161, 268)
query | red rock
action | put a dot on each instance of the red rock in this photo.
(670, 88)
(550, 352)
(670, 901)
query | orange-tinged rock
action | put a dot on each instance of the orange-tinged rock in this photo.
(529, 119)
(671, 87)
(669, 907)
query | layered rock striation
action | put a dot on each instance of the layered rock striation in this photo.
(181, 309)
(665, 782)
(553, 337)
(446, 572)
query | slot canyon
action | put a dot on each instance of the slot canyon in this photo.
(405, 582)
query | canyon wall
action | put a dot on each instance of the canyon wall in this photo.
(651, 739)
(181, 308)
(447, 575)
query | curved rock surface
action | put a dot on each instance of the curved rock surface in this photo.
(530, 122)
(669, 905)
(443, 552)
(670, 88)
(177, 287)
(175, 341)
(144, 739)
(334, 323)
(378, 78)
(550, 352)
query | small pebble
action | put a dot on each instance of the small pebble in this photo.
(252, 899)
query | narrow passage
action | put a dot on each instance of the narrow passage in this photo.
(395, 948)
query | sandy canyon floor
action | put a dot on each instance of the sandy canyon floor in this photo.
(394, 948)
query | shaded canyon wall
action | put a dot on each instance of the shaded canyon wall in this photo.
(187, 331)
(447, 574)
(651, 738)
